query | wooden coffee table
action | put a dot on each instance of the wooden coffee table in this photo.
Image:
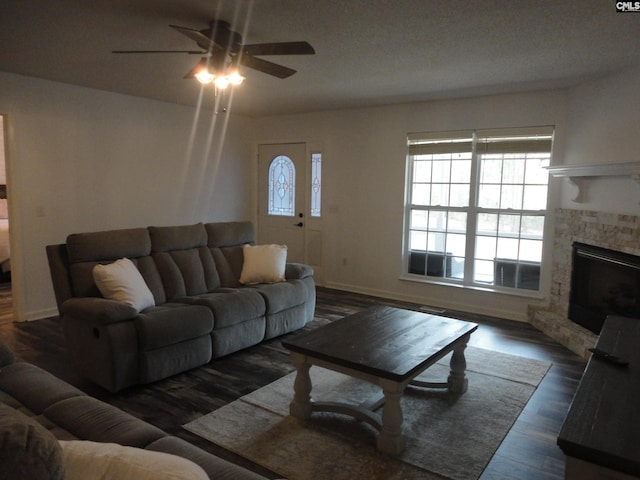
(388, 347)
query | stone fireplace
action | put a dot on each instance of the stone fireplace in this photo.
(615, 232)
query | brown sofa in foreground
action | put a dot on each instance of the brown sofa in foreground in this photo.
(38, 410)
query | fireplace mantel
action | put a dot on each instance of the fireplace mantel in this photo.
(577, 174)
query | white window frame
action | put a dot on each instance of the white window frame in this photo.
(478, 143)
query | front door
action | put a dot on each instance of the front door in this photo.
(284, 202)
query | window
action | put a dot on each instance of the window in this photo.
(282, 187)
(316, 184)
(476, 204)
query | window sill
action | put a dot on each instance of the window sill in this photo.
(533, 294)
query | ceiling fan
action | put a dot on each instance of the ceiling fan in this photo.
(223, 49)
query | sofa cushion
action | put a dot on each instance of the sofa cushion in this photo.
(85, 250)
(236, 337)
(230, 306)
(182, 272)
(82, 282)
(182, 237)
(263, 264)
(174, 358)
(183, 260)
(282, 296)
(28, 451)
(229, 262)
(229, 234)
(85, 460)
(172, 323)
(149, 271)
(121, 281)
(84, 285)
(225, 240)
(108, 245)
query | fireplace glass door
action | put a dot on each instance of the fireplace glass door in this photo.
(603, 282)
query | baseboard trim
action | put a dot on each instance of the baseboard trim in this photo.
(443, 304)
(39, 315)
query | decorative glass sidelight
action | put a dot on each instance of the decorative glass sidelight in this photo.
(282, 187)
(316, 184)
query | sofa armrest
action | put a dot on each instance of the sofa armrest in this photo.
(6, 355)
(216, 467)
(98, 310)
(295, 271)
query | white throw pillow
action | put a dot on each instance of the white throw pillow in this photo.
(122, 281)
(263, 264)
(85, 460)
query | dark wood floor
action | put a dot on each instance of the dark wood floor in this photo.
(528, 452)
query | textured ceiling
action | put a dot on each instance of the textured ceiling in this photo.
(368, 52)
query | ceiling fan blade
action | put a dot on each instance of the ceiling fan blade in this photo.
(202, 40)
(264, 66)
(200, 52)
(279, 48)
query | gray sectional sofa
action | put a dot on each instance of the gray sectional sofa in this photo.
(38, 410)
(201, 310)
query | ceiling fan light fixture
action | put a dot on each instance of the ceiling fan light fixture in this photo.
(221, 82)
(232, 78)
(235, 78)
(204, 76)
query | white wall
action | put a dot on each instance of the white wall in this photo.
(363, 186)
(596, 123)
(84, 160)
(603, 127)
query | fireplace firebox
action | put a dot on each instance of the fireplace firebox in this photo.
(603, 282)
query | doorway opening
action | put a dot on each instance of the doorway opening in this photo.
(6, 301)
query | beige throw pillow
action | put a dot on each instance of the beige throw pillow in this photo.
(85, 460)
(122, 281)
(263, 264)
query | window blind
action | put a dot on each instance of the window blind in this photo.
(515, 140)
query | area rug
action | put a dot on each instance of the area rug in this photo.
(448, 435)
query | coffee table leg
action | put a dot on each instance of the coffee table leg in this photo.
(300, 406)
(390, 439)
(457, 380)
